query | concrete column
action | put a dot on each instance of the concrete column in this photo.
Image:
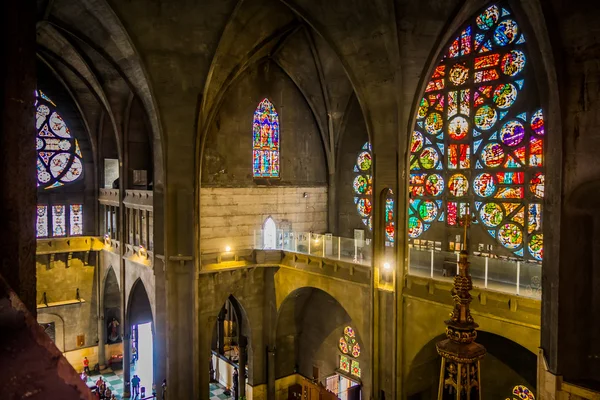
(243, 361)
(17, 141)
(270, 373)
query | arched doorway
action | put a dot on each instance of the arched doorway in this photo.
(310, 327)
(141, 330)
(230, 348)
(506, 365)
(112, 308)
(269, 234)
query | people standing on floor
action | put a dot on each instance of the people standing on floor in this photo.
(86, 365)
(153, 389)
(135, 384)
(107, 393)
(164, 390)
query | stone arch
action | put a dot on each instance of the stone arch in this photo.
(59, 326)
(310, 322)
(505, 365)
(139, 309)
(111, 303)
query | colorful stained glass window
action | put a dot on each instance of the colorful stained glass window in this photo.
(59, 221)
(390, 228)
(75, 219)
(350, 349)
(41, 223)
(477, 147)
(521, 392)
(59, 159)
(363, 185)
(265, 136)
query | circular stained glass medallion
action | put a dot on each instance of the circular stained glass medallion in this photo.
(423, 108)
(458, 128)
(505, 95)
(492, 155)
(506, 32)
(458, 185)
(364, 207)
(361, 184)
(58, 163)
(434, 184)
(348, 331)
(485, 117)
(364, 161)
(74, 171)
(537, 185)
(536, 246)
(458, 74)
(428, 211)
(356, 350)
(434, 123)
(537, 122)
(491, 214)
(510, 236)
(484, 185)
(343, 346)
(523, 392)
(39, 144)
(513, 62)
(512, 133)
(415, 227)
(416, 142)
(488, 18)
(429, 158)
(42, 174)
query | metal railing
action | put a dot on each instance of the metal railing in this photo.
(315, 244)
(506, 275)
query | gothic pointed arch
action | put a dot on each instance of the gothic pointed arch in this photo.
(265, 141)
(477, 146)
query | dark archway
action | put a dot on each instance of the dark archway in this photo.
(310, 323)
(231, 350)
(112, 308)
(505, 365)
(141, 331)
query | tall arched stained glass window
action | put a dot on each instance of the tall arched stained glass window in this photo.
(265, 131)
(478, 143)
(390, 229)
(59, 158)
(363, 185)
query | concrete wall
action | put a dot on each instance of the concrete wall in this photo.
(229, 216)
(60, 284)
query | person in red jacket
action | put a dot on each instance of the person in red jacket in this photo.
(86, 365)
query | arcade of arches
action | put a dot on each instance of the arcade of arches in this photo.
(266, 199)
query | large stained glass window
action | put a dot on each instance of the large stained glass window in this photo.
(59, 221)
(265, 131)
(477, 148)
(59, 159)
(350, 349)
(41, 223)
(363, 185)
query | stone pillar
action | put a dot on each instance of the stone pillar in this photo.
(101, 339)
(18, 196)
(270, 373)
(221, 333)
(243, 361)
(126, 362)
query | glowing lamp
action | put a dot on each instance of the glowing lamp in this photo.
(386, 265)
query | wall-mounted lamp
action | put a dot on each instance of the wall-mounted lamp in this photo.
(386, 265)
(107, 239)
(227, 249)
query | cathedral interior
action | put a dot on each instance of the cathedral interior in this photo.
(300, 199)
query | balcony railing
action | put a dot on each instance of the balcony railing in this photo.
(487, 271)
(315, 244)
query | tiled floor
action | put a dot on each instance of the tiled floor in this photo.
(113, 379)
(217, 392)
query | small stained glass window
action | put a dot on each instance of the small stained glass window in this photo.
(350, 348)
(477, 146)
(355, 368)
(59, 159)
(363, 185)
(59, 221)
(41, 224)
(390, 229)
(265, 137)
(75, 220)
(344, 364)
(521, 392)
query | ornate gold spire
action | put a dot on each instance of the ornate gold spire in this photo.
(460, 374)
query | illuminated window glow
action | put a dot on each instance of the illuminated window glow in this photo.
(363, 185)
(265, 131)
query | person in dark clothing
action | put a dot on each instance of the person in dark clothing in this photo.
(235, 384)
